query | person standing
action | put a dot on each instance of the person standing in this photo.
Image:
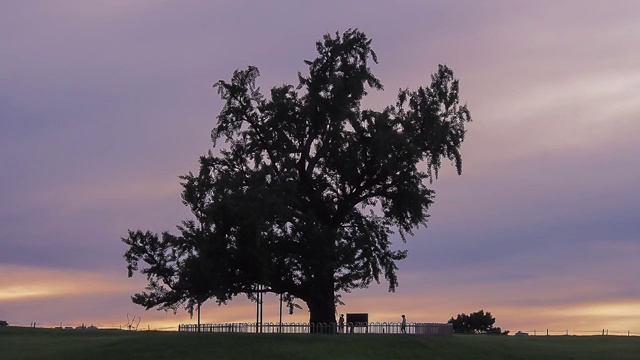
(403, 325)
(341, 324)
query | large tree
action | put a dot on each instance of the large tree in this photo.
(306, 194)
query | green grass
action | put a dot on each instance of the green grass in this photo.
(26, 343)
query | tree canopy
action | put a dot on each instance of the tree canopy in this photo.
(308, 188)
(478, 322)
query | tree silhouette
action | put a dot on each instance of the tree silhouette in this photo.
(179, 268)
(309, 188)
(477, 322)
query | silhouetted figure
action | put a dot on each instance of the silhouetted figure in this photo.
(341, 324)
(403, 325)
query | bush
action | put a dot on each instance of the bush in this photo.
(497, 331)
(3, 323)
(478, 322)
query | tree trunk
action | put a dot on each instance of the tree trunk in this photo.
(322, 308)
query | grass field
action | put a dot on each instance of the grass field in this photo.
(27, 343)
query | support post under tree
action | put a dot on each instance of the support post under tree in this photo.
(199, 316)
(280, 323)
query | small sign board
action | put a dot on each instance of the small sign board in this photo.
(358, 319)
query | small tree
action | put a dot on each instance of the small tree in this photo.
(477, 322)
(4, 323)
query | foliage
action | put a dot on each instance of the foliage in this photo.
(309, 188)
(190, 268)
(4, 323)
(179, 268)
(477, 322)
(176, 275)
(497, 331)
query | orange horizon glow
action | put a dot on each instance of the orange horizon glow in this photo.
(61, 290)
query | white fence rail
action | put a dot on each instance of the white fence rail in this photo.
(427, 329)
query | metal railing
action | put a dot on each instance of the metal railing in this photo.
(567, 332)
(427, 329)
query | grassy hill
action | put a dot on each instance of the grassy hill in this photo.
(27, 343)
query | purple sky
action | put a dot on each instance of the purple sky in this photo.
(104, 104)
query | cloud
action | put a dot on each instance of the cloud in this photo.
(28, 283)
